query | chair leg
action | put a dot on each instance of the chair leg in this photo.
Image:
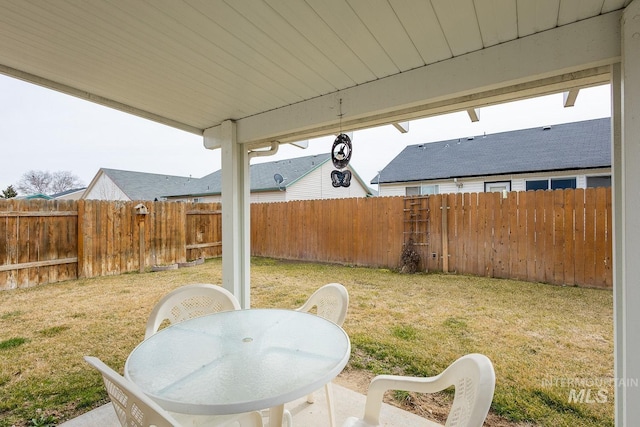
(329, 392)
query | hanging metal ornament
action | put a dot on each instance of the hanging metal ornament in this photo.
(341, 178)
(341, 151)
(340, 156)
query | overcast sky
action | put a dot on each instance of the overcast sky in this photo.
(45, 130)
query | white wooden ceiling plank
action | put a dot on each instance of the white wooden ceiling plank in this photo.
(98, 40)
(338, 15)
(72, 60)
(291, 47)
(536, 16)
(577, 10)
(420, 22)
(460, 25)
(382, 22)
(173, 64)
(611, 5)
(323, 38)
(253, 47)
(209, 59)
(498, 21)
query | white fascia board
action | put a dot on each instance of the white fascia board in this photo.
(574, 55)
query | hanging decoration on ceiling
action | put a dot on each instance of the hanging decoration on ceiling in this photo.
(341, 156)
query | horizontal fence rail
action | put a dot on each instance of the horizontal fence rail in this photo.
(561, 237)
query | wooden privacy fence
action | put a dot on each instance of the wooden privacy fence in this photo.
(45, 241)
(38, 242)
(365, 232)
(560, 237)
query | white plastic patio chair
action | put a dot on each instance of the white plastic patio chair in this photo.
(331, 302)
(136, 409)
(188, 302)
(472, 376)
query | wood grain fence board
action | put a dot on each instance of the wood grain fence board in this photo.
(519, 235)
(464, 265)
(558, 237)
(548, 225)
(473, 224)
(590, 233)
(4, 244)
(503, 253)
(24, 243)
(570, 238)
(600, 238)
(396, 207)
(485, 238)
(608, 270)
(452, 202)
(579, 245)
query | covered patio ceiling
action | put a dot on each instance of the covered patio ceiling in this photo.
(280, 68)
(254, 73)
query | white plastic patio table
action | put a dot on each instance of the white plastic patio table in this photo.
(239, 361)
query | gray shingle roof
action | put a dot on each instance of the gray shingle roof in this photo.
(578, 145)
(147, 186)
(261, 176)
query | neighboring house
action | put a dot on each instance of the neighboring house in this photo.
(303, 178)
(34, 196)
(114, 184)
(73, 194)
(571, 155)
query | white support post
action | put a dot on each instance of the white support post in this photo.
(627, 291)
(236, 254)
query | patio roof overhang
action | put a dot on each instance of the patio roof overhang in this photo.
(247, 75)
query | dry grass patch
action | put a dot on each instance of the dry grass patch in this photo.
(407, 324)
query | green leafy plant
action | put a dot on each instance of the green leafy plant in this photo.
(43, 420)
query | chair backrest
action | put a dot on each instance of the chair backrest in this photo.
(132, 406)
(472, 376)
(331, 301)
(188, 302)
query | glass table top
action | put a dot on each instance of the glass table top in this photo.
(238, 361)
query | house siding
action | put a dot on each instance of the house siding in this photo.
(518, 182)
(105, 189)
(317, 185)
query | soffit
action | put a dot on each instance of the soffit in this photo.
(193, 64)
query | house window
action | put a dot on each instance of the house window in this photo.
(196, 200)
(412, 191)
(429, 189)
(538, 184)
(598, 181)
(553, 183)
(497, 187)
(423, 190)
(561, 183)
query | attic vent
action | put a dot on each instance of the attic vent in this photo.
(546, 128)
(470, 138)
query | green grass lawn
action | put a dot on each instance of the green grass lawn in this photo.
(552, 347)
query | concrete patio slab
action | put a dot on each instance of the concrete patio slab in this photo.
(347, 402)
